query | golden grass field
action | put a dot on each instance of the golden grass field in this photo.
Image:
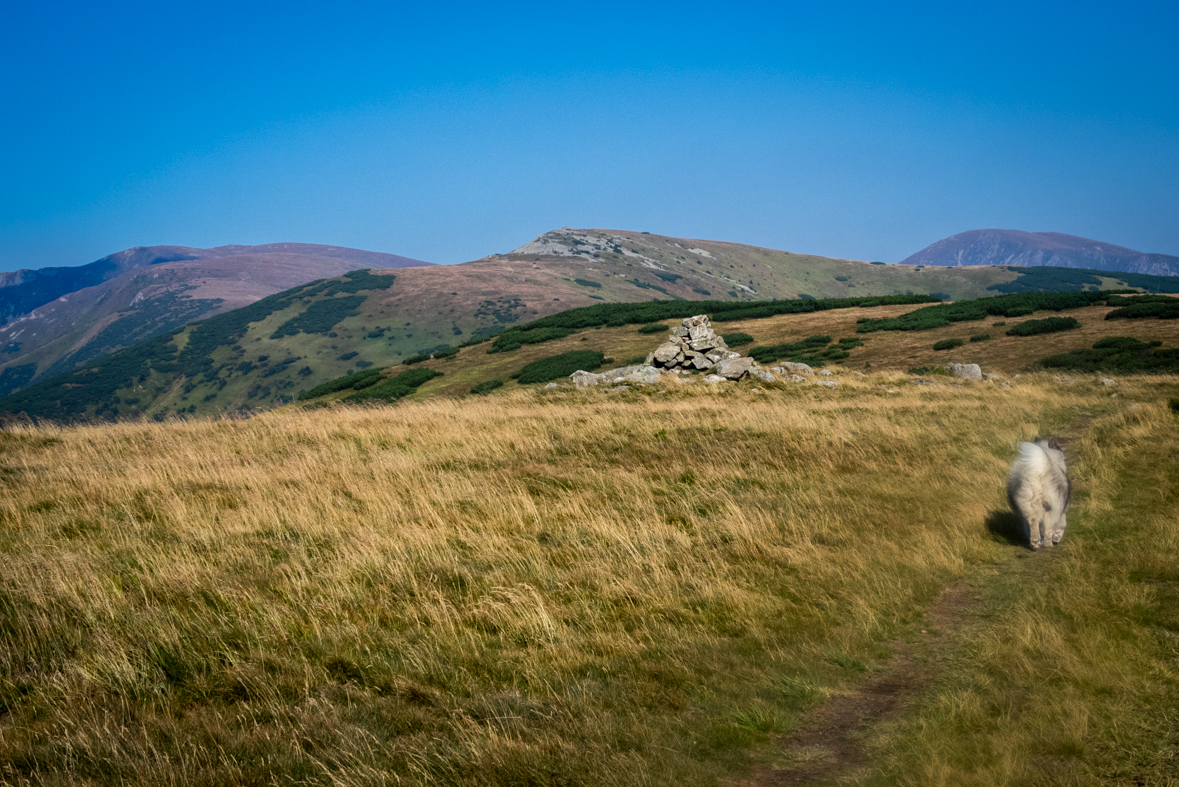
(578, 588)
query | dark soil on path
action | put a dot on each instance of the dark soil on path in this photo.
(829, 746)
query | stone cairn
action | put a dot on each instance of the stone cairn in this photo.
(694, 346)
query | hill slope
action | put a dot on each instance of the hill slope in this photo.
(1030, 249)
(267, 353)
(143, 292)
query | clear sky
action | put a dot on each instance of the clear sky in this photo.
(447, 132)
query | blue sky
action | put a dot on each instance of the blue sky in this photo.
(450, 132)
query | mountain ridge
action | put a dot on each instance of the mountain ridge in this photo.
(1035, 249)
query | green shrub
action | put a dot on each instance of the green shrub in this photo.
(947, 344)
(980, 337)
(320, 316)
(848, 342)
(515, 338)
(999, 324)
(486, 387)
(395, 387)
(654, 327)
(841, 278)
(588, 283)
(1160, 307)
(635, 360)
(737, 339)
(805, 351)
(1118, 355)
(927, 370)
(356, 381)
(411, 360)
(1014, 305)
(670, 278)
(449, 352)
(1047, 325)
(557, 366)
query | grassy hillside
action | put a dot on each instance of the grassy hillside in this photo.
(879, 350)
(266, 354)
(582, 588)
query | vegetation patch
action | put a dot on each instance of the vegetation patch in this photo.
(588, 283)
(1051, 279)
(486, 387)
(396, 387)
(1047, 325)
(737, 339)
(1118, 355)
(654, 328)
(947, 344)
(558, 366)
(980, 337)
(355, 381)
(411, 360)
(1159, 307)
(320, 316)
(806, 351)
(966, 311)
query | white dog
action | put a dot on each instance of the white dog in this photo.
(1039, 491)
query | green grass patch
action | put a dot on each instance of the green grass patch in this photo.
(805, 351)
(980, 337)
(1159, 307)
(654, 327)
(947, 344)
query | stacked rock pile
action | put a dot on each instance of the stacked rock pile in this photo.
(693, 346)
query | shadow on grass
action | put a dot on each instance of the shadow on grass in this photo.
(1005, 527)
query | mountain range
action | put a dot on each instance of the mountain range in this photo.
(1033, 249)
(53, 319)
(267, 352)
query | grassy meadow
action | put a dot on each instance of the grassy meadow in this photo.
(579, 588)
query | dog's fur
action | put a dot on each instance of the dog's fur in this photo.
(1038, 490)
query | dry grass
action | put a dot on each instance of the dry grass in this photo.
(529, 588)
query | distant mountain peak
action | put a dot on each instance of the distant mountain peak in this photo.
(1033, 249)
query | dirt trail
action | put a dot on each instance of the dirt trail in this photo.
(829, 746)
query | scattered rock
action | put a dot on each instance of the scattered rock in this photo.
(922, 381)
(825, 371)
(1105, 381)
(990, 376)
(828, 383)
(629, 374)
(552, 385)
(789, 367)
(714, 378)
(796, 378)
(618, 388)
(966, 371)
(762, 375)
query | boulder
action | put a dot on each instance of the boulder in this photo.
(734, 368)
(1105, 381)
(763, 375)
(584, 379)
(702, 362)
(714, 378)
(828, 383)
(826, 372)
(796, 378)
(967, 371)
(796, 368)
(666, 353)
